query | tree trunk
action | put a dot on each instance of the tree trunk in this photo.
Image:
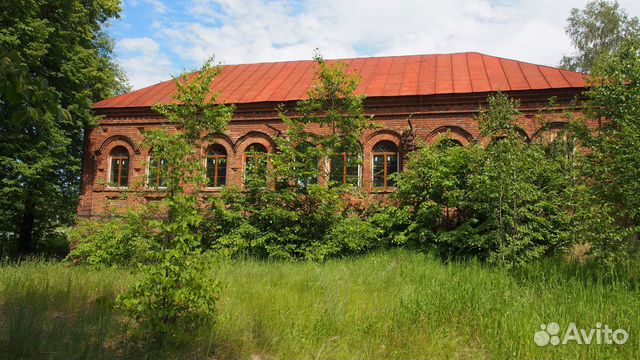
(25, 241)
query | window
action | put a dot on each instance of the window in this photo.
(216, 166)
(345, 169)
(156, 169)
(385, 163)
(119, 167)
(255, 163)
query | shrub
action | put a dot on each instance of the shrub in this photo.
(393, 223)
(290, 214)
(242, 241)
(506, 203)
(164, 301)
(116, 241)
(349, 236)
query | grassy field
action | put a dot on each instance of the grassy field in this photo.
(395, 304)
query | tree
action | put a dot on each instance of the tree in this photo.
(32, 146)
(612, 166)
(519, 194)
(64, 43)
(600, 28)
(331, 105)
(176, 289)
(291, 215)
(504, 203)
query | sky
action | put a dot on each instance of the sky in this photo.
(155, 39)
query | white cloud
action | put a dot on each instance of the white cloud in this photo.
(157, 5)
(242, 31)
(262, 30)
(143, 61)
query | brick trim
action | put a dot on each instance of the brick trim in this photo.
(450, 132)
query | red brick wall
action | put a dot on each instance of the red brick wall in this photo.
(432, 116)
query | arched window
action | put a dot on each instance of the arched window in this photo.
(345, 169)
(216, 166)
(255, 163)
(157, 168)
(385, 163)
(119, 167)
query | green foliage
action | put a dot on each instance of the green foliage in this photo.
(173, 293)
(612, 166)
(122, 241)
(278, 224)
(332, 103)
(32, 152)
(62, 46)
(195, 111)
(519, 203)
(598, 30)
(505, 203)
(287, 209)
(393, 223)
(349, 236)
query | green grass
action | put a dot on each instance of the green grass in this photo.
(387, 305)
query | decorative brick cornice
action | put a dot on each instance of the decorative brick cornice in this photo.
(381, 107)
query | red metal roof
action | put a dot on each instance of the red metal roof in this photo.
(380, 76)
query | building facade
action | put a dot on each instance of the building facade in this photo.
(416, 99)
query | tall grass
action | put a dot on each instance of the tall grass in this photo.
(386, 305)
(51, 311)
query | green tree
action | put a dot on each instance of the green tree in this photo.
(176, 289)
(612, 166)
(505, 203)
(332, 107)
(290, 215)
(520, 191)
(64, 43)
(600, 28)
(32, 146)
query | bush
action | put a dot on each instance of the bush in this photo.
(508, 203)
(164, 301)
(316, 223)
(393, 223)
(116, 241)
(240, 242)
(349, 236)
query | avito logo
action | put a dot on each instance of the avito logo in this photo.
(550, 334)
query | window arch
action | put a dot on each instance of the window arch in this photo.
(386, 162)
(345, 168)
(119, 167)
(157, 168)
(216, 166)
(255, 163)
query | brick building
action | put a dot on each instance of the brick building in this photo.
(414, 98)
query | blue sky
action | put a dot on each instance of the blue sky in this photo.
(158, 38)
